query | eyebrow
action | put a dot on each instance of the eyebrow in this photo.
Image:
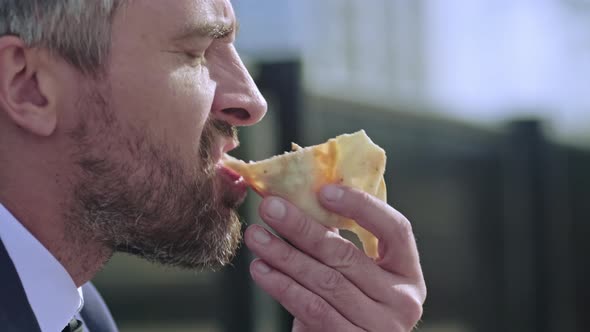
(213, 30)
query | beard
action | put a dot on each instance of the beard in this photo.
(136, 195)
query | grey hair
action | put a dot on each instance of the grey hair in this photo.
(77, 30)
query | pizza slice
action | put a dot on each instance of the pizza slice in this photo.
(352, 160)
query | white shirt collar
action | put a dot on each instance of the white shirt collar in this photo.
(51, 292)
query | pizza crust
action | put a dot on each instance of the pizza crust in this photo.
(351, 160)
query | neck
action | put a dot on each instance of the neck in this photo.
(78, 251)
(37, 179)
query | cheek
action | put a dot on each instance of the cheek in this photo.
(171, 106)
(192, 93)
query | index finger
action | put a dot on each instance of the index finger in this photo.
(397, 246)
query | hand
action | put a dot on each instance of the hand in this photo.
(327, 283)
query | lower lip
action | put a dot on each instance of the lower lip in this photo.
(232, 182)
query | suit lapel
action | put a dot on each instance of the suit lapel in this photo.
(15, 312)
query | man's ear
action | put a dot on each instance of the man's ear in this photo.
(27, 93)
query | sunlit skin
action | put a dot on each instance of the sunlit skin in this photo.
(158, 120)
(142, 122)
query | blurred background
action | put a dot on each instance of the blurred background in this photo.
(483, 107)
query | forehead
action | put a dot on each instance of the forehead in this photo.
(170, 16)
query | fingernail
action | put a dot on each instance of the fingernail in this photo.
(262, 267)
(276, 209)
(332, 193)
(261, 236)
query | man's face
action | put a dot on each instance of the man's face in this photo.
(151, 131)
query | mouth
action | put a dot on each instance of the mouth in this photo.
(232, 184)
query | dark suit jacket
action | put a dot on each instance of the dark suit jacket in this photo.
(16, 314)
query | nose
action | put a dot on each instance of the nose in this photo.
(237, 99)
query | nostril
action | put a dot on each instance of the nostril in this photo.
(238, 113)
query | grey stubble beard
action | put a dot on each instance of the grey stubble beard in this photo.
(144, 201)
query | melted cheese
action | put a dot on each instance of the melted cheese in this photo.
(352, 160)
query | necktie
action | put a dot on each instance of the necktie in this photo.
(74, 326)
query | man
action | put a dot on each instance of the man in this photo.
(114, 115)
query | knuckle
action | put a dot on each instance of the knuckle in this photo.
(411, 312)
(404, 230)
(422, 290)
(396, 326)
(317, 309)
(288, 255)
(347, 255)
(316, 244)
(283, 291)
(303, 225)
(331, 280)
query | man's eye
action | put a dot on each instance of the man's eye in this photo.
(196, 59)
